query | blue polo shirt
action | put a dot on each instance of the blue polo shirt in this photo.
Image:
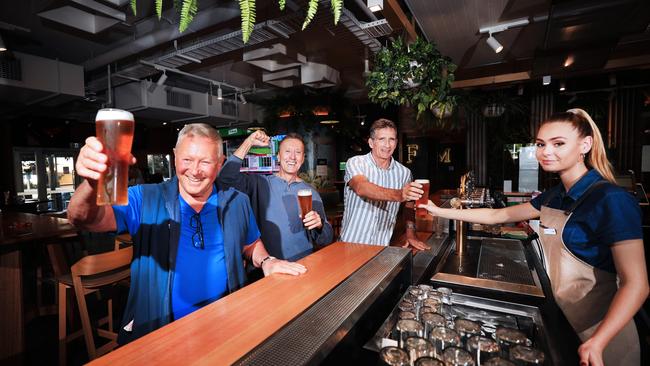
(200, 275)
(608, 215)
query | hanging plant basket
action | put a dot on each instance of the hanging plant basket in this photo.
(416, 75)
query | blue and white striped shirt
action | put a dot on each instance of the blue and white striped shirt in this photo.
(367, 221)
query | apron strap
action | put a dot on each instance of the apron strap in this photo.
(589, 190)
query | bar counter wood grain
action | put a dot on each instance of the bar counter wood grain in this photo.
(224, 331)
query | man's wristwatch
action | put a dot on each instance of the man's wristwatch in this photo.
(266, 259)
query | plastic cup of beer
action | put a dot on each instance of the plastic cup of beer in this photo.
(304, 200)
(425, 197)
(114, 129)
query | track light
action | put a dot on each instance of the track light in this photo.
(3, 46)
(162, 78)
(496, 46)
(241, 98)
(562, 85)
(219, 93)
(375, 5)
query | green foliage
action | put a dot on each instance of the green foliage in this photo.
(188, 11)
(336, 10)
(416, 75)
(158, 8)
(247, 18)
(311, 12)
(189, 8)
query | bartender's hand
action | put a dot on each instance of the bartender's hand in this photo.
(259, 138)
(430, 207)
(412, 191)
(591, 353)
(275, 265)
(312, 220)
(91, 162)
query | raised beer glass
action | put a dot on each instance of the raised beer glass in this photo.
(425, 197)
(114, 129)
(304, 200)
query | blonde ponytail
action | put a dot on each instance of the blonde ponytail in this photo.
(597, 156)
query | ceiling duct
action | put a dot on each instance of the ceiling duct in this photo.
(275, 57)
(83, 20)
(315, 75)
(33, 79)
(283, 78)
(179, 105)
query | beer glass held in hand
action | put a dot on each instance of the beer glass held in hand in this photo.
(304, 200)
(425, 197)
(114, 128)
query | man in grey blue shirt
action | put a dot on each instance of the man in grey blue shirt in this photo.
(274, 199)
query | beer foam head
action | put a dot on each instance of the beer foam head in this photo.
(304, 192)
(109, 114)
(422, 181)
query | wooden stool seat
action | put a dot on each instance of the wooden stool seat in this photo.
(88, 275)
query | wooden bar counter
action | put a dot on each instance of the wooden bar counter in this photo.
(230, 328)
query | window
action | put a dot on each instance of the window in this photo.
(42, 173)
(158, 168)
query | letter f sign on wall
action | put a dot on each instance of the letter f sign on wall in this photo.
(412, 151)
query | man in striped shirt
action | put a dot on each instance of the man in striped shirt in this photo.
(376, 184)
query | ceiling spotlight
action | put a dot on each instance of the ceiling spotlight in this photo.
(546, 79)
(162, 79)
(3, 46)
(375, 5)
(496, 46)
(562, 85)
(164, 123)
(241, 98)
(219, 93)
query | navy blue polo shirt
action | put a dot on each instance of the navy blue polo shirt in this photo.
(608, 215)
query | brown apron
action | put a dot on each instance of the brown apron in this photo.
(582, 291)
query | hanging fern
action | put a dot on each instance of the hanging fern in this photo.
(247, 18)
(282, 3)
(133, 6)
(188, 11)
(159, 8)
(336, 10)
(311, 12)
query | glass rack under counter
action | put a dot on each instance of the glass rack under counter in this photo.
(464, 324)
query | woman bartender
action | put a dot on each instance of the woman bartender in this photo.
(591, 237)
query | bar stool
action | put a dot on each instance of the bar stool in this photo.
(88, 275)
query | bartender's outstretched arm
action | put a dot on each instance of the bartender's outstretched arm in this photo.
(83, 211)
(489, 216)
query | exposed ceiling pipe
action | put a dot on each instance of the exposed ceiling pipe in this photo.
(165, 32)
(362, 5)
